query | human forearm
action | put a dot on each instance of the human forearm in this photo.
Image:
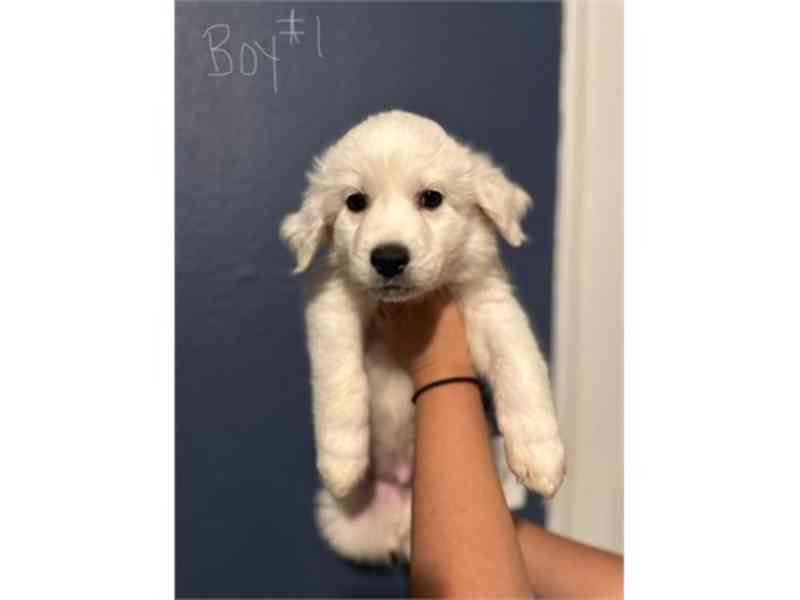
(560, 568)
(463, 539)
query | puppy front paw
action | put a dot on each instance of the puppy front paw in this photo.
(341, 474)
(537, 464)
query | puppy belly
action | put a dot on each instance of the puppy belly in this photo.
(391, 416)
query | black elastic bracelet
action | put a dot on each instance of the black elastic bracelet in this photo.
(425, 388)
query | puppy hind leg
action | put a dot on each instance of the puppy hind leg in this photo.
(370, 526)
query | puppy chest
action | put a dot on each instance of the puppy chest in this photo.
(391, 410)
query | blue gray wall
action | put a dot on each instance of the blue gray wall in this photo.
(489, 73)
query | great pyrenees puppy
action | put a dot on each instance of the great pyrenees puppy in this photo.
(404, 208)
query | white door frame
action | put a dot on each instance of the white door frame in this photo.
(588, 286)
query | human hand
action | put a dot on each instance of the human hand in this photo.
(427, 336)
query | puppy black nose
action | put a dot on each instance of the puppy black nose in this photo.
(390, 259)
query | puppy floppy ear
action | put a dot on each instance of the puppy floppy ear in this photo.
(503, 201)
(304, 232)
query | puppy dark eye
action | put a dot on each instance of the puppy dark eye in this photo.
(357, 202)
(430, 199)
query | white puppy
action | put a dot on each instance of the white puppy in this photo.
(404, 209)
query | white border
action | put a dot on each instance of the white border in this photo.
(86, 308)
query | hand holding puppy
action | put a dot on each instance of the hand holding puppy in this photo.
(427, 337)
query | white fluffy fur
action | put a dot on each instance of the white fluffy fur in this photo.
(363, 417)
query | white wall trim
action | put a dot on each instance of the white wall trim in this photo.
(588, 290)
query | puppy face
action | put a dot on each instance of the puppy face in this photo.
(404, 208)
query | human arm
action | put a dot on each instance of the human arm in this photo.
(463, 537)
(460, 538)
(561, 568)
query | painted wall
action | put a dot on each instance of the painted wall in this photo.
(245, 472)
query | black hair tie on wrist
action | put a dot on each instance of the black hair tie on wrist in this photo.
(434, 384)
